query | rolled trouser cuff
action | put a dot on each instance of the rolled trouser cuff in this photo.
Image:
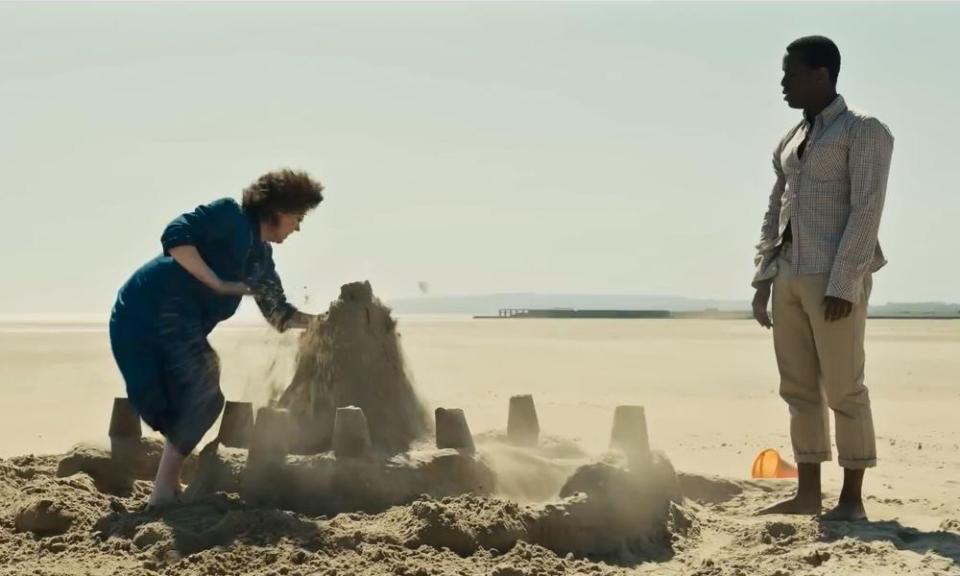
(857, 463)
(812, 457)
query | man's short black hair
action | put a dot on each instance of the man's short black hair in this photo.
(818, 52)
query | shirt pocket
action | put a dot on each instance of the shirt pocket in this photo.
(827, 161)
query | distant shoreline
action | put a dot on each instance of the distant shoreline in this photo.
(88, 323)
(492, 305)
(553, 314)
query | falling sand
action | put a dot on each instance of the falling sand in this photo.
(353, 357)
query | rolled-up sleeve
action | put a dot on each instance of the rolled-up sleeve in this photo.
(269, 295)
(869, 165)
(203, 224)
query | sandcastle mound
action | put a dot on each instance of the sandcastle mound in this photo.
(348, 439)
(353, 357)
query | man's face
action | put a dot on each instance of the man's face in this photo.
(802, 85)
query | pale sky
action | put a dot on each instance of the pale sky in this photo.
(481, 147)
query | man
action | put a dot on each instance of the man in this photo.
(817, 253)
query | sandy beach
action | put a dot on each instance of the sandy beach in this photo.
(709, 388)
(571, 211)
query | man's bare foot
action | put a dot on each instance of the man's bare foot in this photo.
(802, 505)
(846, 511)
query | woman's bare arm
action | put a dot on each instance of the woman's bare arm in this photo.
(188, 257)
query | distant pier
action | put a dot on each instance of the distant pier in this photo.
(552, 313)
(708, 314)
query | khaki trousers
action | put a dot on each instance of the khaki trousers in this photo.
(821, 365)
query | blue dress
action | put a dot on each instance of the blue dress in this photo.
(162, 316)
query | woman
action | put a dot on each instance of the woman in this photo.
(159, 325)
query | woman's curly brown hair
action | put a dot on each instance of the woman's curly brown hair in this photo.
(288, 191)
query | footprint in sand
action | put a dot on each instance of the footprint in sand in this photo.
(908, 536)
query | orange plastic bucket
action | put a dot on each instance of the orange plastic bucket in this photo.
(769, 464)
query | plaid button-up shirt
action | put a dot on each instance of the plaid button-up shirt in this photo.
(832, 198)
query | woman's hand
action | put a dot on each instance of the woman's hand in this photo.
(302, 320)
(231, 288)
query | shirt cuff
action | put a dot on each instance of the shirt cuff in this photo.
(288, 311)
(845, 288)
(767, 268)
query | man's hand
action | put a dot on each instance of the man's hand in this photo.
(836, 308)
(760, 300)
(232, 288)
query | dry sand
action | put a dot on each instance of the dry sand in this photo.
(709, 389)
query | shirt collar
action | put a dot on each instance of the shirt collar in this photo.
(830, 113)
(254, 223)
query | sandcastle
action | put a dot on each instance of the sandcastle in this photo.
(350, 435)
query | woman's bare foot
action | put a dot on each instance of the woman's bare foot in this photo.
(846, 511)
(162, 496)
(803, 505)
(162, 500)
(166, 486)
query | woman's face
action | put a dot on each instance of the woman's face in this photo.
(285, 224)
